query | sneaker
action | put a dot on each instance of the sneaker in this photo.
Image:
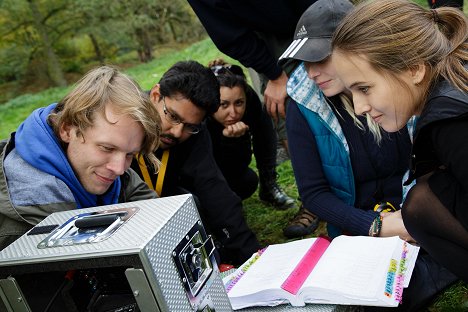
(303, 223)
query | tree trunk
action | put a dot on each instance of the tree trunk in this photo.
(173, 32)
(53, 66)
(97, 50)
(145, 49)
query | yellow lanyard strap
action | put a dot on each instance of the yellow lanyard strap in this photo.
(161, 173)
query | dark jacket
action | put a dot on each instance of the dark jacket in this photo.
(191, 167)
(440, 147)
(233, 155)
(235, 25)
(444, 105)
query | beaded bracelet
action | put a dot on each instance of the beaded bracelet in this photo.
(376, 227)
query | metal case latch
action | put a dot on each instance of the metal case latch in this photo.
(195, 262)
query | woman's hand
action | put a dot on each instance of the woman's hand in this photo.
(236, 130)
(392, 225)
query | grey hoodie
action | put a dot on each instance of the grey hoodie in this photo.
(28, 195)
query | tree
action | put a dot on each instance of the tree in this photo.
(53, 64)
(41, 40)
(35, 26)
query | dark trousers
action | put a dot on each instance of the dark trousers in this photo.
(244, 184)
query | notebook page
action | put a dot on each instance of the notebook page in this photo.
(412, 257)
(354, 265)
(272, 268)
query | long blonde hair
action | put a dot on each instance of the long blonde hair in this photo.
(374, 127)
(396, 35)
(103, 86)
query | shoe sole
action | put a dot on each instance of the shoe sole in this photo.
(311, 229)
(282, 207)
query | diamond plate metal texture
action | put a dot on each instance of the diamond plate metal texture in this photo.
(159, 256)
(152, 233)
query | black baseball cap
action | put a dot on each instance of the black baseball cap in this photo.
(314, 31)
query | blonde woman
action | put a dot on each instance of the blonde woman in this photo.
(399, 60)
(342, 174)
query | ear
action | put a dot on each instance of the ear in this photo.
(155, 94)
(65, 133)
(418, 72)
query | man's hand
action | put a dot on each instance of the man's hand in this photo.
(275, 95)
(236, 130)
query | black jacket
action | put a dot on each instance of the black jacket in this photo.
(234, 25)
(445, 104)
(441, 148)
(191, 167)
(233, 155)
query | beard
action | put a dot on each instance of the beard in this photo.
(172, 139)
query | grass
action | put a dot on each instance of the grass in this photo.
(268, 223)
(265, 221)
(13, 112)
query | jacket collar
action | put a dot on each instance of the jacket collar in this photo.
(305, 92)
(438, 110)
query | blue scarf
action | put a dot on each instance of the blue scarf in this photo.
(38, 145)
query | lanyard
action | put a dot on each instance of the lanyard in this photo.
(161, 173)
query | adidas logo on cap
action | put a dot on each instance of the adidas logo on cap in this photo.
(302, 31)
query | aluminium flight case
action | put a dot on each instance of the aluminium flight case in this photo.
(159, 246)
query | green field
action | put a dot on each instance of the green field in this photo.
(266, 222)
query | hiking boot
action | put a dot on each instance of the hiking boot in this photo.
(303, 223)
(271, 193)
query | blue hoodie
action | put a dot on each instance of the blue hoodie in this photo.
(37, 144)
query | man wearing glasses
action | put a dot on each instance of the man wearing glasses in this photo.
(184, 96)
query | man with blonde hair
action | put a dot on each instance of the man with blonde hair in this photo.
(77, 153)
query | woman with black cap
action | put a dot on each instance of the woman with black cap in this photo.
(343, 176)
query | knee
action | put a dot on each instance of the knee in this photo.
(252, 178)
(244, 184)
(415, 206)
(250, 182)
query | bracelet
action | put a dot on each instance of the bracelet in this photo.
(376, 227)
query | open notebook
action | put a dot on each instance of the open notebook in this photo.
(351, 270)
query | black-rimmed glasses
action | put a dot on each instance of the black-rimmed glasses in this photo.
(175, 120)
